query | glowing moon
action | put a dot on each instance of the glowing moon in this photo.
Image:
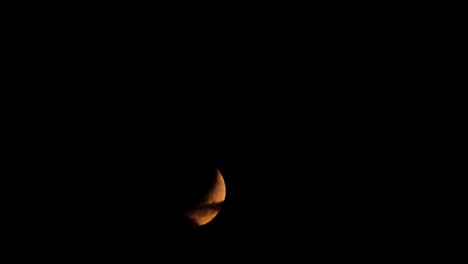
(210, 205)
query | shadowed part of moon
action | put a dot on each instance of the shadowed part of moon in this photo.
(207, 209)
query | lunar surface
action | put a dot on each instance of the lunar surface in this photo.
(207, 209)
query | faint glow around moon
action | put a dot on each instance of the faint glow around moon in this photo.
(210, 205)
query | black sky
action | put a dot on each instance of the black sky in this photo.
(308, 118)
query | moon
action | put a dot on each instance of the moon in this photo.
(208, 207)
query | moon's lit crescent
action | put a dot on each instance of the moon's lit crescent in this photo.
(210, 205)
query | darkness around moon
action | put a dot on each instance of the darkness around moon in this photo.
(307, 120)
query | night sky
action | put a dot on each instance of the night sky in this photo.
(308, 118)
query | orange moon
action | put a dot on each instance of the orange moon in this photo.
(208, 208)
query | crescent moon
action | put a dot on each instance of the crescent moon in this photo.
(208, 208)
